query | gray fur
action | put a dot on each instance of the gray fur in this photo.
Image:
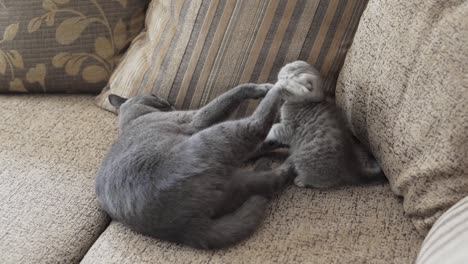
(177, 175)
(323, 151)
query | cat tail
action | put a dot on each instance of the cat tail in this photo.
(228, 229)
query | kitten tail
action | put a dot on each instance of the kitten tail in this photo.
(369, 167)
(371, 171)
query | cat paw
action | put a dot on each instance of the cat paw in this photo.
(293, 87)
(259, 90)
(267, 86)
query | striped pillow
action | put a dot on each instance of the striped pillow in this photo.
(192, 51)
(447, 241)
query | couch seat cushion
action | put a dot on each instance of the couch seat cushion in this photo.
(50, 147)
(348, 225)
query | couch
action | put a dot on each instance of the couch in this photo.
(51, 147)
(49, 155)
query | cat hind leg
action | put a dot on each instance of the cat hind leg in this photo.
(232, 142)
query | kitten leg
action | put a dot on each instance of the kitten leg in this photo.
(279, 136)
(280, 133)
(221, 107)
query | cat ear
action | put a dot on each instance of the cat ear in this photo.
(116, 101)
(162, 103)
(165, 103)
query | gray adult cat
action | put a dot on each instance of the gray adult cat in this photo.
(322, 150)
(177, 176)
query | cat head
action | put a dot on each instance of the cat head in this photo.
(301, 82)
(153, 101)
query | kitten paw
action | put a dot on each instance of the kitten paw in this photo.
(273, 144)
(301, 80)
(300, 182)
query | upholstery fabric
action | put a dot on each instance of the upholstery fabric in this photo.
(447, 240)
(63, 45)
(192, 51)
(347, 225)
(404, 90)
(50, 149)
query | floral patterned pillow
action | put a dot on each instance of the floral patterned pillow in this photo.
(64, 45)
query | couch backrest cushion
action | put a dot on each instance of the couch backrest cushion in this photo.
(404, 90)
(192, 51)
(64, 45)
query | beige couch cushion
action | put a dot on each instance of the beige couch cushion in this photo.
(50, 148)
(64, 45)
(192, 51)
(348, 225)
(404, 89)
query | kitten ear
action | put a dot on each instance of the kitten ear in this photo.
(116, 101)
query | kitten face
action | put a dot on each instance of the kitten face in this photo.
(301, 81)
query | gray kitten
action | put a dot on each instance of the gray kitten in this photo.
(178, 176)
(323, 151)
